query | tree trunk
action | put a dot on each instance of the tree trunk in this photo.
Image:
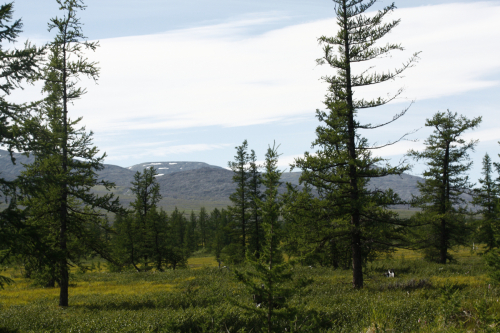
(357, 260)
(63, 263)
(443, 246)
(445, 199)
(357, 270)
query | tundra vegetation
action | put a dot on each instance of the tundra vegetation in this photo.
(278, 259)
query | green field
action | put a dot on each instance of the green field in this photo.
(423, 297)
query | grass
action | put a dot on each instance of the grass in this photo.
(424, 297)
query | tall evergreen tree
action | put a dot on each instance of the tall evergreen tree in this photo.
(191, 237)
(486, 197)
(441, 202)
(177, 252)
(313, 232)
(57, 185)
(17, 65)
(141, 232)
(254, 184)
(343, 163)
(240, 199)
(147, 195)
(203, 223)
(271, 271)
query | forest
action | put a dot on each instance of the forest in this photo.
(331, 256)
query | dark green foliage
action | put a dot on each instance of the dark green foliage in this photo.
(486, 197)
(311, 233)
(203, 224)
(18, 65)
(256, 241)
(57, 185)
(150, 229)
(350, 213)
(443, 212)
(240, 210)
(177, 253)
(244, 211)
(191, 237)
(271, 272)
(147, 237)
(492, 259)
(221, 234)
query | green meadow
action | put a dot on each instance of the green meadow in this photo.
(423, 297)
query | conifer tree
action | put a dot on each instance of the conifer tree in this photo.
(313, 233)
(57, 185)
(271, 271)
(343, 163)
(177, 254)
(440, 200)
(240, 199)
(254, 183)
(18, 66)
(486, 197)
(204, 228)
(191, 238)
(147, 195)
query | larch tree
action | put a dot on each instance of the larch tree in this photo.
(240, 199)
(147, 195)
(254, 183)
(268, 279)
(17, 66)
(57, 186)
(486, 197)
(441, 202)
(343, 162)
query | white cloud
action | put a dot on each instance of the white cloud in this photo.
(215, 75)
(160, 152)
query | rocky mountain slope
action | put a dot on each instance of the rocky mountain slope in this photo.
(196, 182)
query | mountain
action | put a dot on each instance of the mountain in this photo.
(191, 185)
(9, 171)
(172, 167)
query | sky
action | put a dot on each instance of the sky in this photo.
(189, 81)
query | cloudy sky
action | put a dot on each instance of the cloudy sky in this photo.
(190, 80)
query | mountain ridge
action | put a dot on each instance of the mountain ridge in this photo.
(182, 181)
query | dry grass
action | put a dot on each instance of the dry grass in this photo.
(202, 262)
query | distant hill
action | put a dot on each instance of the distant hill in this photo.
(172, 167)
(191, 185)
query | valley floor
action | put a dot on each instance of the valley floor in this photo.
(423, 297)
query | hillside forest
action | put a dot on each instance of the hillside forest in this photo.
(331, 253)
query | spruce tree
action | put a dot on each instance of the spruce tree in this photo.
(343, 163)
(442, 205)
(57, 186)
